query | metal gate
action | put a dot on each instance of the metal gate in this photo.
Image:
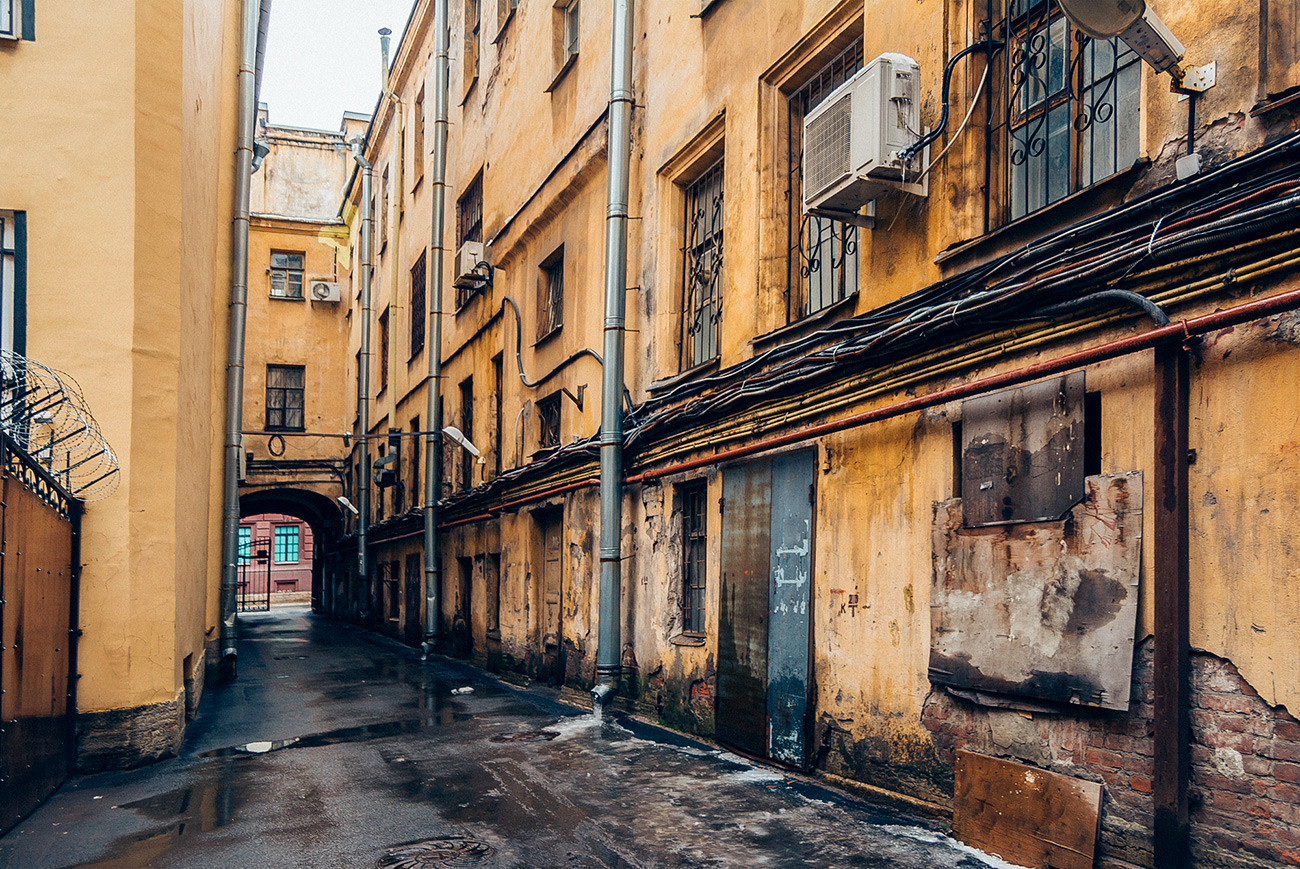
(255, 577)
(39, 571)
(766, 605)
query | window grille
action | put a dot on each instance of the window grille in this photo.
(284, 397)
(702, 270)
(822, 255)
(694, 548)
(286, 544)
(286, 274)
(1068, 110)
(548, 420)
(550, 295)
(419, 312)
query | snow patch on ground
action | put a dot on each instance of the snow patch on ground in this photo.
(929, 838)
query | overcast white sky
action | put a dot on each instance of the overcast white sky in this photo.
(322, 58)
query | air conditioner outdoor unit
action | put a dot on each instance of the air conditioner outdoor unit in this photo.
(852, 138)
(468, 274)
(325, 291)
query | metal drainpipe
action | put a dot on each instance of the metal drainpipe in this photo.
(609, 642)
(363, 374)
(433, 394)
(227, 636)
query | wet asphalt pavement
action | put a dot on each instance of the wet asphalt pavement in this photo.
(335, 748)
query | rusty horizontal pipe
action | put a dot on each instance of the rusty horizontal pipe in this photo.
(1110, 350)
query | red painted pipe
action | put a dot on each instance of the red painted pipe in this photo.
(1122, 347)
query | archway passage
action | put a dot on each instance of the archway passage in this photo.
(320, 514)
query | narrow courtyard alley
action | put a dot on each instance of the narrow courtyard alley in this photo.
(335, 749)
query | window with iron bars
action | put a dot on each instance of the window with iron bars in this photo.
(469, 227)
(822, 254)
(702, 268)
(694, 547)
(1065, 116)
(548, 422)
(550, 295)
(419, 278)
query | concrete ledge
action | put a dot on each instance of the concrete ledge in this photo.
(127, 738)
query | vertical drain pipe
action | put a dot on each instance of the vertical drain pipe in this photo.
(251, 18)
(363, 377)
(609, 642)
(433, 392)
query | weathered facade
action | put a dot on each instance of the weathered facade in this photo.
(118, 167)
(846, 546)
(296, 413)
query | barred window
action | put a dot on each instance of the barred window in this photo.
(822, 255)
(284, 397)
(1069, 115)
(694, 546)
(550, 295)
(286, 274)
(548, 421)
(702, 269)
(419, 312)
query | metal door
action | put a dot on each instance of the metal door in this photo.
(741, 717)
(789, 597)
(765, 603)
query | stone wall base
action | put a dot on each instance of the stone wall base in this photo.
(127, 738)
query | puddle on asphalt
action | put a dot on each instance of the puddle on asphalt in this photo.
(343, 734)
(205, 805)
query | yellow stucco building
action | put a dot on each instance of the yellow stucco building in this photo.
(926, 475)
(118, 169)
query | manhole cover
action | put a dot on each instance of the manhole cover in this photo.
(526, 736)
(448, 851)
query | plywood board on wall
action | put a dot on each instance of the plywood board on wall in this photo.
(1041, 609)
(1026, 816)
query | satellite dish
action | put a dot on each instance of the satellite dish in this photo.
(1103, 19)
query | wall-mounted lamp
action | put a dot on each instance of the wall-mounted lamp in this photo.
(459, 437)
(260, 150)
(348, 504)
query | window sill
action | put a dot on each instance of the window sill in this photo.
(469, 89)
(688, 640)
(503, 26)
(1031, 225)
(545, 339)
(707, 6)
(562, 72)
(1275, 102)
(287, 298)
(279, 428)
(806, 324)
(494, 635)
(689, 374)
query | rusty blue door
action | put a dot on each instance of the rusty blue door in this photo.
(789, 599)
(765, 605)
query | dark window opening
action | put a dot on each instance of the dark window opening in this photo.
(383, 350)
(469, 227)
(1091, 433)
(467, 428)
(493, 582)
(548, 422)
(284, 397)
(550, 295)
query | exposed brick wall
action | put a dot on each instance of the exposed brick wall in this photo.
(1245, 796)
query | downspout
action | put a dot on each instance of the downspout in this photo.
(609, 642)
(363, 375)
(395, 239)
(433, 395)
(249, 23)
